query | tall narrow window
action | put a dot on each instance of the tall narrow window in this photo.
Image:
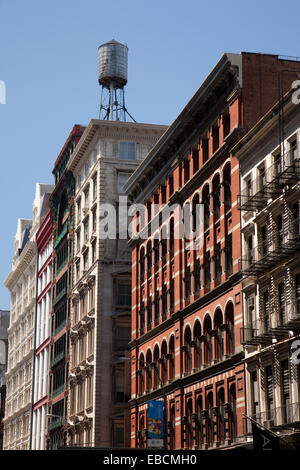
(281, 302)
(266, 320)
(285, 379)
(254, 392)
(269, 392)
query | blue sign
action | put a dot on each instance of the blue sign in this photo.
(155, 423)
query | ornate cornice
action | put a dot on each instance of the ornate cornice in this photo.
(24, 260)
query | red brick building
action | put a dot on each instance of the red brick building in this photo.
(187, 303)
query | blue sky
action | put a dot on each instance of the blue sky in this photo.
(48, 61)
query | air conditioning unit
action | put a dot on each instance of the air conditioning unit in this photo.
(251, 302)
(85, 210)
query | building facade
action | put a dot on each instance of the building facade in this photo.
(62, 215)
(44, 242)
(187, 296)
(21, 283)
(107, 154)
(4, 323)
(270, 263)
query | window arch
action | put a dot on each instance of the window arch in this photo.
(142, 264)
(197, 343)
(141, 381)
(149, 257)
(216, 196)
(164, 351)
(156, 366)
(218, 321)
(172, 358)
(229, 320)
(187, 350)
(148, 370)
(206, 203)
(227, 186)
(207, 327)
(195, 212)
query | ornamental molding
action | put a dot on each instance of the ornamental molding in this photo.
(24, 261)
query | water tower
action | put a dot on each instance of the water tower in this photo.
(112, 77)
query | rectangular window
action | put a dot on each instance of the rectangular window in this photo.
(94, 187)
(124, 295)
(285, 383)
(266, 321)
(127, 151)
(264, 240)
(255, 405)
(262, 177)
(281, 300)
(269, 392)
(293, 151)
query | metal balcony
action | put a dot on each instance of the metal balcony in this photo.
(266, 254)
(280, 416)
(286, 171)
(257, 332)
(267, 327)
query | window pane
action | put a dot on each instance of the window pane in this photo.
(127, 150)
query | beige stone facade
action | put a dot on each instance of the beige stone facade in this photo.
(106, 155)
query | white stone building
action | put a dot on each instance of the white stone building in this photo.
(21, 283)
(106, 155)
(270, 219)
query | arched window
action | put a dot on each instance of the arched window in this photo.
(142, 264)
(171, 241)
(156, 367)
(227, 186)
(206, 202)
(196, 213)
(148, 370)
(216, 197)
(207, 326)
(229, 320)
(187, 350)
(141, 376)
(218, 320)
(149, 258)
(164, 350)
(197, 347)
(171, 360)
